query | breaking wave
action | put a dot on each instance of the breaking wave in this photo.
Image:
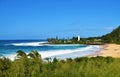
(28, 44)
(62, 54)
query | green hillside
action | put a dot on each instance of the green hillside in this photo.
(113, 37)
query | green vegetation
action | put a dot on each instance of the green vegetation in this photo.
(74, 40)
(63, 41)
(113, 37)
(32, 65)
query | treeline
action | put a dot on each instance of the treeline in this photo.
(112, 37)
(73, 40)
(32, 65)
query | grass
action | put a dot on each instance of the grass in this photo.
(78, 67)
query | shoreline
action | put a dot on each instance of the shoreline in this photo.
(98, 52)
(102, 50)
(63, 54)
(112, 50)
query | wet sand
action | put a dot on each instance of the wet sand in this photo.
(112, 50)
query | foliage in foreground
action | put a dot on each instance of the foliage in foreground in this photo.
(33, 66)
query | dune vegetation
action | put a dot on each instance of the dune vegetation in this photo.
(32, 65)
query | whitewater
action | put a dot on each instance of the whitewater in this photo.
(60, 51)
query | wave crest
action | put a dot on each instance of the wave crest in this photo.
(28, 44)
(62, 54)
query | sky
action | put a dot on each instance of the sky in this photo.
(41, 19)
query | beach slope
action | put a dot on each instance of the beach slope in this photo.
(112, 50)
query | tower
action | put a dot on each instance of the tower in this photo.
(78, 38)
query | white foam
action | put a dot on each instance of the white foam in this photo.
(10, 56)
(42, 44)
(64, 44)
(28, 44)
(60, 53)
(63, 52)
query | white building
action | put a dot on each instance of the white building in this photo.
(78, 38)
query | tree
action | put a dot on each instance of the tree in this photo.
(48, 59)
(21, 54)
(5, 65)
(112, 37)
(34, 55)
(55, 60)
(74, 40)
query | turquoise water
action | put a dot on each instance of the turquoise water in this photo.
(8, 48)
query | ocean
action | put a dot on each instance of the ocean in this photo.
(8, 48)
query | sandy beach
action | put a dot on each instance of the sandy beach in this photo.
(112, 50)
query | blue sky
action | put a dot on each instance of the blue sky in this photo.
(40, 19)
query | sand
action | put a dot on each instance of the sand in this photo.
(112, 50)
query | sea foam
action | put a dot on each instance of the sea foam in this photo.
(68, 53)
(62, 54)
(28, 44)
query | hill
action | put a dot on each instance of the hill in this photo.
(112, 37)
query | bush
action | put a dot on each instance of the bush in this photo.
(79, 67)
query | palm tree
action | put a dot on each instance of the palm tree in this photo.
(34, 55)
(21, 54)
